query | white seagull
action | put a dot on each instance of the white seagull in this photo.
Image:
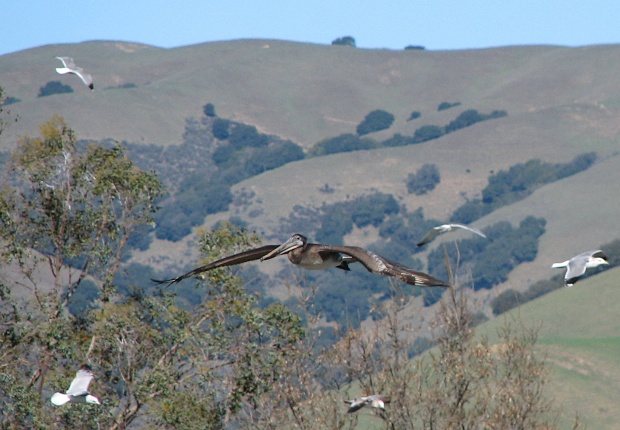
(376, 401)
(444, 228)
(70, 67)
(577, 265)
(78, 390)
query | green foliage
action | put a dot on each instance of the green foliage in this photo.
(344, 41)
(9, 101)
(414, 48)
(220, 128)
(505, 301)
(428, 132)
(425, 179)
(447, 105)
(376, 120)
(62, 205)
(203, 188)
(518, 182)
(337, 220)
(209, 110)
(398, 140)
(414, 115)
(343, 143)
(275, 155)
(244, 136)
(470, 117)
(54, 87)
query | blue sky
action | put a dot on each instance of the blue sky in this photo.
(435, 24)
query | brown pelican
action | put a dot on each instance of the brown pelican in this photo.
(317, 256)
(78, 390)
(70, 67)
(444, 228)
(376, 401)
(313, 256)
(577, 265)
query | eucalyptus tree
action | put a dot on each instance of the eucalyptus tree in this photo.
(65, 218)
(66, 215)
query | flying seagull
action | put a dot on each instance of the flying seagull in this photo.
(78, 390)
(577, 265)
(70, 67)
(444, 228)
(314, 256)
(376, 401)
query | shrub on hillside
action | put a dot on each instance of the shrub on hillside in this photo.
(414, 115)
(54, 87)
(243, 136)
(220, 128)
(518, 182)
(209, 110)
(376, 120)
(447, 105)
(343, 143)
(428, 132)
(470, 117)
(425, 179)
(344, 41)
(397, 140)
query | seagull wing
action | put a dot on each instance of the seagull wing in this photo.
(430, 235)
(576, 267)
(85, 77)
(242, 257)
(472, 229)
(356, 404)
(598, 254)
(68, 62)
(79, 385)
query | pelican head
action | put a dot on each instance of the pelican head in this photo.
(293, 242)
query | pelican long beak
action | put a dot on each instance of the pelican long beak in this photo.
(288, 246)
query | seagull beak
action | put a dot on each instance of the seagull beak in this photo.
(288, 246)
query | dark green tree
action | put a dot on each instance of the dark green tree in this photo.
(376, 120)
(345, 41)
(209, 110)
(425, 179)
(427, 132)
(54, 87)
(343, 143)
(414, 115)
(220, 128)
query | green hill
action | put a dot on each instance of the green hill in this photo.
(580, 336)
(300, 91)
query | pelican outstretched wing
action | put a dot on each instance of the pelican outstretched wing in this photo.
(242, 257)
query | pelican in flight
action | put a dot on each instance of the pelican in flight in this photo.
(444, 228)
(70, 67)
(576, 266)
(375, 401)
(314, 256)
(78, 390)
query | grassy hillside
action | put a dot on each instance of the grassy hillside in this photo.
(580, 336)
(299, 91)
